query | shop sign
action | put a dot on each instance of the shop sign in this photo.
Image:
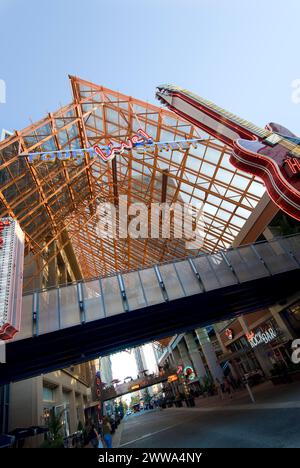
(140, 142)
(98, 385)
(187, 372)
(261, 336)
(172, 378)
(135, 387)
(229, 333)
(296, 351)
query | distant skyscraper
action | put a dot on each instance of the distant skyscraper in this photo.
(140, 359)
(106, 370)
(11, 277)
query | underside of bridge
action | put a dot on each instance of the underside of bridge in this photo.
(56, 203)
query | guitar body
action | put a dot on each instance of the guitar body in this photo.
(270, 163)
(272, 154)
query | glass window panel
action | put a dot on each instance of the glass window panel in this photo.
(152, 289)
(275, 257)
(69, 306)
(112, 296)
(48, 312)
(171, 281)
(26, 318)
(92, 301)
(134, 291)
(222, 270)
(292, 244)
(246, 264)
(206, 273)
(253, 262)
(188, 279)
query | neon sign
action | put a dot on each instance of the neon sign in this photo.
(293, 164)
(109, 153)
(186, 372)
(262, 336)
(140, 142)
(229, 333)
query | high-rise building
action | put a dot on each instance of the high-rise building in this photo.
(11, 277)
(106, 370)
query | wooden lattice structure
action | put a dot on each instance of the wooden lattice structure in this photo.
(56, 204)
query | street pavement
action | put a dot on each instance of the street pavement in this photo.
(272, 421)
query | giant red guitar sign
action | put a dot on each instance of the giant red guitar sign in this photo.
(273, 153)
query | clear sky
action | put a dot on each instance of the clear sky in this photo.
(241, 54)
(124, 365)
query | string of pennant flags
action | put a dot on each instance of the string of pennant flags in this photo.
(140, 142)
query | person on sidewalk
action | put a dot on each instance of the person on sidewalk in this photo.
(228, 387)
(219, 388)
(93, 436)
(106, 428)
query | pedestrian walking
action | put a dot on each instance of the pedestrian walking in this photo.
(219, 387)
(93, 436)
(106, 427)
(228, 387)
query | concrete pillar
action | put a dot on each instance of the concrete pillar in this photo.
(210, 354)
(184, 355)
(81, 409)
(176, 356)
(172, 360)
(73, 415)
(195, 356)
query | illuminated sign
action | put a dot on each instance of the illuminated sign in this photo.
(186, 372)
(110, 152)
(189, 373)
(261, 336)
(11, 277)
(229, 333)
(140, 142)
(293, 164)
(135, 387)
(172, 378)
(98, 384)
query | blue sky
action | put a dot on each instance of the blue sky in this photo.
(243, 55)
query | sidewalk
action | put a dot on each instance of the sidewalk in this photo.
(116, 437)
(284, 395)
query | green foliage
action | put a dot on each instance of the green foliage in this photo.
(125, 405)
(55, 438)
(134, 400)
(80, 426)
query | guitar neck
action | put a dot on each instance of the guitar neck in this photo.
(208, 116)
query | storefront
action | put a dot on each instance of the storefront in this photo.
(264, 346)
(291, 317)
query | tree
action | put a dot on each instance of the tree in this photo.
(125, 405)
(135, 399)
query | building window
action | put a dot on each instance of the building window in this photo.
(292, 316)
(48, 394)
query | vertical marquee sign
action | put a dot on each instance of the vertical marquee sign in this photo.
(11, 277)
